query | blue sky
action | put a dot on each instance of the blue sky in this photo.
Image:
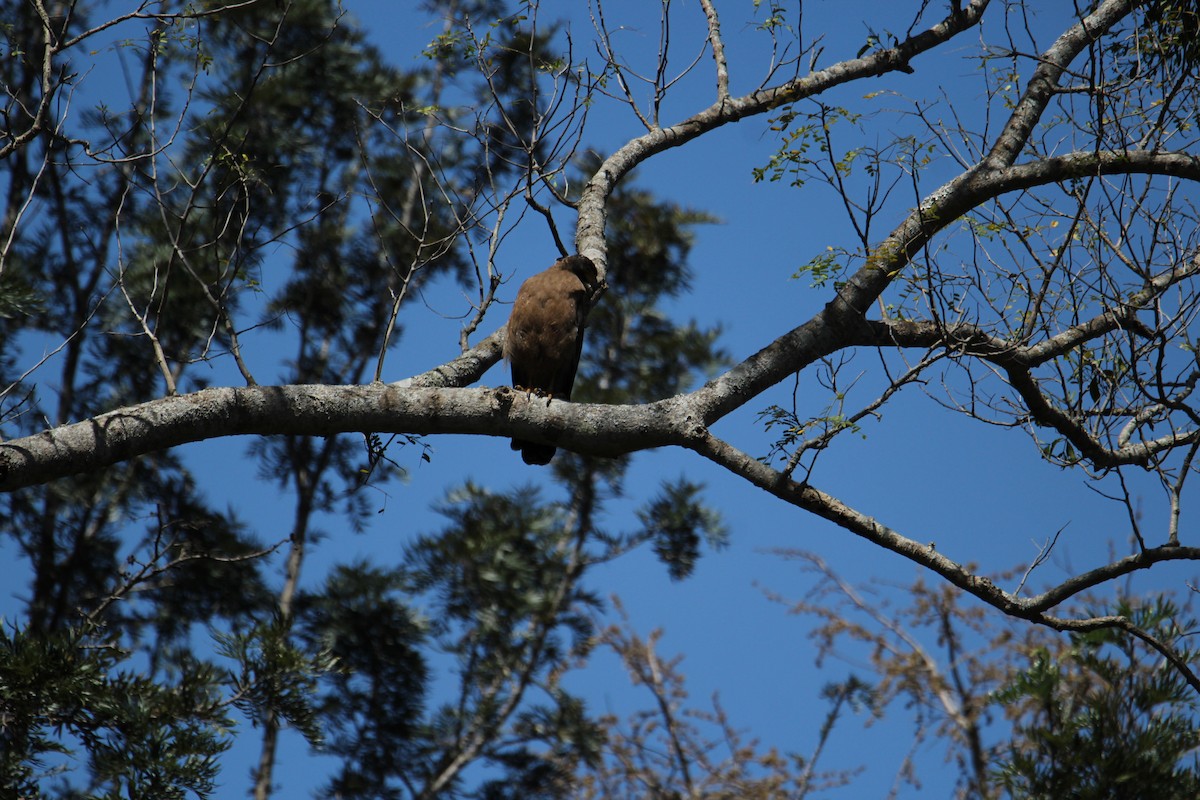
(981, 493)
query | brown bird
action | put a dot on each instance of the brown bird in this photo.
(545, 336)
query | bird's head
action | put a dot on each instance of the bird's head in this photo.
(583, 268)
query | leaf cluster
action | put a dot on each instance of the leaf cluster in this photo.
(142, 737)
(1101, 718)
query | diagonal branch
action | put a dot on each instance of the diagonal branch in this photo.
(1042, 85)
(1034, 609)
(589, 237)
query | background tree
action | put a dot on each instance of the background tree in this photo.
(1098, 714)
(274, 192)
(1102, 717)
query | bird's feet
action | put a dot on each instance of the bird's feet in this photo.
(534, 392)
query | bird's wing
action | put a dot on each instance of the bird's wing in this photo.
(564, 379)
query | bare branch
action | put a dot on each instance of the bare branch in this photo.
(718, 49)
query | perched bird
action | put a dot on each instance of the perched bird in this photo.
(545, 336)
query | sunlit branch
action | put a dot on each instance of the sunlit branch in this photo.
(1043, 83)
(589, 238)
(718, 49)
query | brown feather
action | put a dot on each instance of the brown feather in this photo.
(545, 336)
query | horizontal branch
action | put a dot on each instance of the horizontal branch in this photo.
(1078, 584)
(318, 410)
(842, 321)
(429, 408)
(1017, 363)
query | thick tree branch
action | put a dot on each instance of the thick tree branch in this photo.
(981, 184)
(977, 184)
(320, 410)
(1047, 415)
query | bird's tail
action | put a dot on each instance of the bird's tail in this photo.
(533, 453)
